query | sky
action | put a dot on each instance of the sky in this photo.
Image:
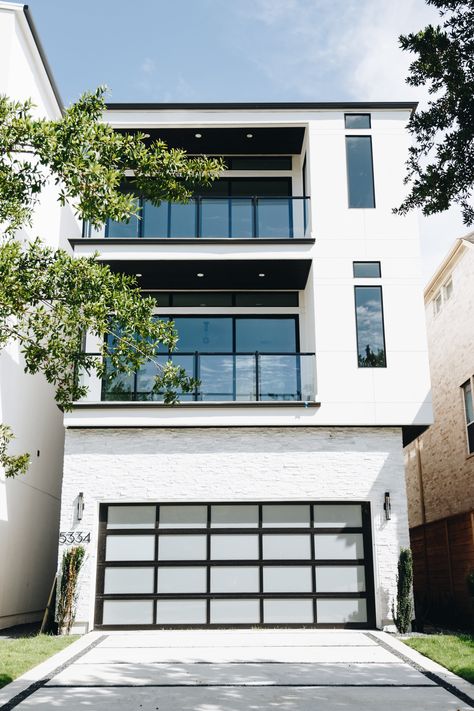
(241, 50)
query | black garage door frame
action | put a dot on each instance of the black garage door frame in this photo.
(367, 562)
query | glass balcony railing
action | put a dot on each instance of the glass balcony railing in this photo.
(214, 218)
(232, 377)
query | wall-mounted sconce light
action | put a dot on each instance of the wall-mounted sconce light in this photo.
(387, 506)
(80, 506)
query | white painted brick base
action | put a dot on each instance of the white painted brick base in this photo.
(239, 464)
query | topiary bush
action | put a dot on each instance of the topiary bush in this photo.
(402, 615)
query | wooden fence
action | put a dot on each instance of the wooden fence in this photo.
(443, 555)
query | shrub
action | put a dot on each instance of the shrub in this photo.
(71, 565)
(403, 613)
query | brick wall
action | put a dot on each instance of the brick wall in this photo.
(446, 469)
(206, 464)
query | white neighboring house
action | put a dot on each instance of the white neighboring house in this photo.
(29, 505)
(275, 493)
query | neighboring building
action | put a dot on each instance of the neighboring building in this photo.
(29, 505)
(440, 462)
(274, 494)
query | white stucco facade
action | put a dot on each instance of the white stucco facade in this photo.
(29, 505)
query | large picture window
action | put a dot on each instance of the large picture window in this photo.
(360, 172)
(234, 358)
(469, 413)
(370, 328)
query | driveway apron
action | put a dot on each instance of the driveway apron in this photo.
(239, 670)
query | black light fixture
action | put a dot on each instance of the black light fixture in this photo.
(261, 274)
(387, 506)
(80, 506)
(198, 135)
(200, 274)
(249, 135)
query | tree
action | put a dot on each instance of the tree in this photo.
(440, 168)
(403, 612)
(48, 299)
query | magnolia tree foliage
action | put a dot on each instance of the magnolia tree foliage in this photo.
(48, 299)
(441, 161)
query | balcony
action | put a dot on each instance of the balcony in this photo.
(224, 377)
(214, 218)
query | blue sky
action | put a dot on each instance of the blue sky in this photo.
(240, 50)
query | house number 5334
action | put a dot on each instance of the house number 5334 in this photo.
(70, 537)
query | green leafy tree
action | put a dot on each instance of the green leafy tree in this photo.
(441, 161)
(48, 299)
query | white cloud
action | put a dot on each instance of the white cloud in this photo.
(310, 46)
(148, 66)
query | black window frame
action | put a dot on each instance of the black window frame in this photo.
(379, 288)
(366, 276)
(357, 128)
(235, 296)
(468, 424)
(360, 207)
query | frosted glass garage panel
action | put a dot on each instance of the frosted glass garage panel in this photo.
(235, 612)
(234, 547)
(245, 516)
(130, 548)
(281, 515)
(288, 611)
(284, 579)
(235, 579)
(341, 611)
(340, 578)
(181, 612)
(182, 547)
(131, 516)
(128, 580)
(128, 612)
(339, 546)
(183, 517)
(338, 516)
(286, 547)
(182, 580)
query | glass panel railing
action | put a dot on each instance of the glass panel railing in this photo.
(214, 218)
(232, 377)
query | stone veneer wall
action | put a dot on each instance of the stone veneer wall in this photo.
(238, 464)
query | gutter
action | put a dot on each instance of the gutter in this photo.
(43, 57)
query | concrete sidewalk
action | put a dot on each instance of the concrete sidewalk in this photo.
(237, 670)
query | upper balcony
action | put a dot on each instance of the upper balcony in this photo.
(214, 218)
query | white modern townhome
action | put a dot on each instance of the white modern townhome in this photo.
(274, 494)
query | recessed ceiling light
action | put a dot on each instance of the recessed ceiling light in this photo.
(198, 135)
(249, 135)
(261, 274)
(200, 274)
(138, 274)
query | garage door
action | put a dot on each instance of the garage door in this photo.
(163, 565)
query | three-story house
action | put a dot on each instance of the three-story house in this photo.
(274, 494)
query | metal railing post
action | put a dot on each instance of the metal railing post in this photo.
(257, 377)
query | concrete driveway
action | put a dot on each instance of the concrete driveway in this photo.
(232, 670)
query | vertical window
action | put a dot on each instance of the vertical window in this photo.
(370, 330)
(360, 172)
(469, 412)
(437, 303)
(448, 289)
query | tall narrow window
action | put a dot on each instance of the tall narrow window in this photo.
(370, 331)
(360, 172)
(469, 412)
